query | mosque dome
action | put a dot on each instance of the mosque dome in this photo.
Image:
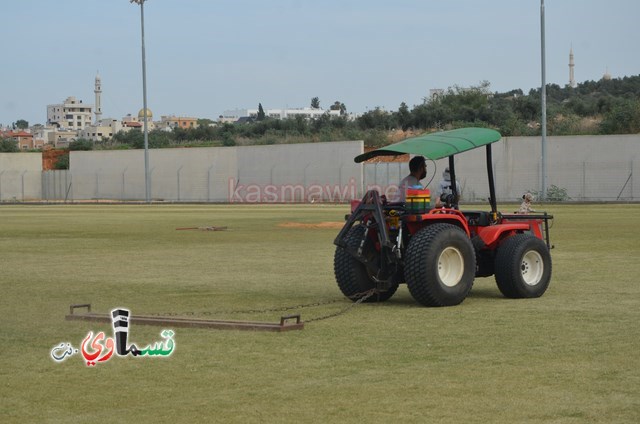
(141, 114)
(606, 76)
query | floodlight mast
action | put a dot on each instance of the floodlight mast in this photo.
(147, 182)
(543, 107)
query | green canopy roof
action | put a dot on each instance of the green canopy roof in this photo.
(437, 145)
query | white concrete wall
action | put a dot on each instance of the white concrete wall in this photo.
(590, 168)
(277, 173)
(20, 176)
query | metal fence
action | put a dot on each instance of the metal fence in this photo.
(56, 185)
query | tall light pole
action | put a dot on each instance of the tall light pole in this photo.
(147, 182)
(543, 105)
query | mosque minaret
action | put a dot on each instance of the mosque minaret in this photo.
(98, 93)
(572, 80)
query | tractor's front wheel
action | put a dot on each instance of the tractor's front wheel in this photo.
(440, 265)
(351, 275)
(523, 267)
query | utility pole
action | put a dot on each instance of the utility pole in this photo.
(543, 105)
(147, 182)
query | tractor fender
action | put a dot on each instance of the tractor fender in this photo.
(490, 236)
(417, 222)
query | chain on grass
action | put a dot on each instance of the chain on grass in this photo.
(365, 295)
(360, 298)
(245, 311)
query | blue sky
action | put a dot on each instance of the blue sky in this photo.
(206, 56)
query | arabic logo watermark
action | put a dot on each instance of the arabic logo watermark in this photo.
(101, 349)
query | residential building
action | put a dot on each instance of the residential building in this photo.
(306, 112)
(72, 114)
(177, 122)
(23, 139)
(61, 138)
(105, 129)
(131, 121)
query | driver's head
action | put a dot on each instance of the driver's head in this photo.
(418, 167)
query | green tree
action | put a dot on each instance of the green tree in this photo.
(21, 124)
(228, 140)
(261, 114)
(159, 139)
(624, 118)
(8, 145)
(204, 122)
(81, 144)
(467, 104)
(315, 103)
(404, 116)
(132, 137)
(62, 162)
(378, 119)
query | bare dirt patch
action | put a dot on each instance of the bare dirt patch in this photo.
(313, 225)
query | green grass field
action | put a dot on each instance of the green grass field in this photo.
(572, 356)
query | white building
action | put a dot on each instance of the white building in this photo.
(307, 113)
(40, 132)
(71, 115)
(61, 138)
(106, 128)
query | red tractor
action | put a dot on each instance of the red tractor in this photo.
(439, 251)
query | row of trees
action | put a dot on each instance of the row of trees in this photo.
(603, 107)
(608, 106)
(593, 107)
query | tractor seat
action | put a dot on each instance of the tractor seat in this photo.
(478, 218)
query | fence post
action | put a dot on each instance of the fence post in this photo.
(1, 172)
(122, 195)
(151, 183)
(584, 180)
(43, 186)
(22, 180)
(97, 194)
(304, 181)
(631, 172)
(67, 175)
(209, 183)
(178, 173)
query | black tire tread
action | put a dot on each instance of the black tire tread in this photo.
(351, 275)
(507, 269)
(416, 267)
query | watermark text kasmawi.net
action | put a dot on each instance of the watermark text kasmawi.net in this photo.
(278, 193)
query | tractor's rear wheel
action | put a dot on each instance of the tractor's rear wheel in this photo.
(351, 275)
(523, 267)
(440, 265)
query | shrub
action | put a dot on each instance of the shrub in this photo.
(62, 162)
(554, 194)
(557, 194)
(8, 146)
(81, 144)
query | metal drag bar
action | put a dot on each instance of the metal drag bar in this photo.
(283, 325)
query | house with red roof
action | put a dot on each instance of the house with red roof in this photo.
(24, 139)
